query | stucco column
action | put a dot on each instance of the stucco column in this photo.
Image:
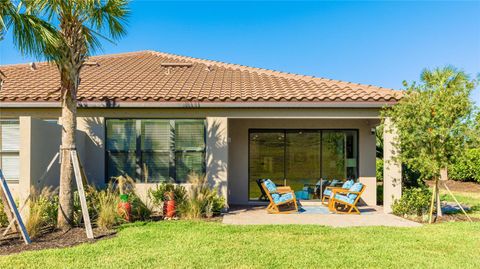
(217, 154)
(24, 182)
(392, 169)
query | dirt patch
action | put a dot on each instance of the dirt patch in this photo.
(56, 239)
(458, 186)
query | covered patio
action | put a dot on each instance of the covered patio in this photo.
(304, 149)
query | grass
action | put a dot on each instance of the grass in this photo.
(195, 244)
(471, 199)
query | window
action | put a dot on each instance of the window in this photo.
(10, 149)
(155, 150)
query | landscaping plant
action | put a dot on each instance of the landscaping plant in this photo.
(414, 202)
(107, 214)
(202, 200)
(3, 216)
(140, 210)
(433, 121)
(157, 195)
(467, 168)
(43, 211)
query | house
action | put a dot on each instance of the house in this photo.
(158, 117)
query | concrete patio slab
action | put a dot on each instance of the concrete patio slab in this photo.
(372, 216)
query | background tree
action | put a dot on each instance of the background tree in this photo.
(432, 122)
(80, 25)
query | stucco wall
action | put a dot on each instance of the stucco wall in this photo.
(238, 157)
(231, 128)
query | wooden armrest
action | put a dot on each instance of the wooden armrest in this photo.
(284, 189)
(334, 188)
(346, 192)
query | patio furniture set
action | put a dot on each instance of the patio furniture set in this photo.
(339, 199)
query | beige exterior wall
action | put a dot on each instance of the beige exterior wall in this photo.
(238, 168)
(392, 170)
(227, 140)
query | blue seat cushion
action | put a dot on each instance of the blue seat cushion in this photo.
(348, 184)
(327, 192)
(280, 198)
(355, 188)
(334, 182)
(271, 187)
(344, 198)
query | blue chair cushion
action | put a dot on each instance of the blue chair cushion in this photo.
(280, 198)
(327, 192)
(334, 182)
(344, 198)
(348, 184)
(271, 187)
(355, 188)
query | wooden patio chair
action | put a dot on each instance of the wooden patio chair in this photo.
(327, 193)
(278, 197)
(347, 198)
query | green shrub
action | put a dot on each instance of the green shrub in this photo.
(202, 200)
(157, 195)
(140, 210)
(379, 194)
(43, 211)
(3, 216)
(379, 169)
(414, 201)
(467, 168)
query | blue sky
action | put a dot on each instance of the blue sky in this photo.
(378, 42)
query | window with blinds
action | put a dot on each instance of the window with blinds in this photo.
(155, 150)
(10, 149)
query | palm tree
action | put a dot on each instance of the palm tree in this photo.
(81, 24)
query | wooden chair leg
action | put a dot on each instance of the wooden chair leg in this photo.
(356, 209)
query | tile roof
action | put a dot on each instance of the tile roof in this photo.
(149, 76)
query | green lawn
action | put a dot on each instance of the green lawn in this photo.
(471, 199)
(184, 244)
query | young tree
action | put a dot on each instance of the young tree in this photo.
(81, 24)
(432, 121)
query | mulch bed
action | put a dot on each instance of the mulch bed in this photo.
(57, 239)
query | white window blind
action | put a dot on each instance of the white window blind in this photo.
(10, 149)
(10, 135)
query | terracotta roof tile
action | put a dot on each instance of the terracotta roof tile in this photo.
(153, 76)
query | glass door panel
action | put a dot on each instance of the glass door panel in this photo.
(302, 159)
(333, 155)
(267, 152)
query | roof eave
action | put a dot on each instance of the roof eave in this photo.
(111, 104)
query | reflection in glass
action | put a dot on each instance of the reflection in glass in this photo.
(266, 159)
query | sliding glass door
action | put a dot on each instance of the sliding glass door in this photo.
(267, 159)
(300, 158)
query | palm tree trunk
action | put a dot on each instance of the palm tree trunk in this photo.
(69, 126)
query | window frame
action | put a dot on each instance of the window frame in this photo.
(139, 175)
